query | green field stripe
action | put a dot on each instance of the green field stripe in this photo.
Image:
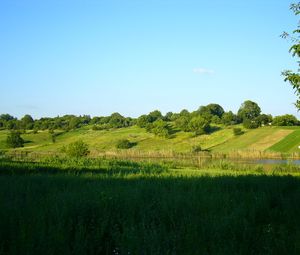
(289, 144)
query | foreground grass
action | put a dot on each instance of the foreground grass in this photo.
(140, 208)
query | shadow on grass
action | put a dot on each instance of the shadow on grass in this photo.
(65, 214)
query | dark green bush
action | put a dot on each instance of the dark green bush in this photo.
(14, 139)
(124, 144)
(196, 148)
(250, 124)
(237, 131)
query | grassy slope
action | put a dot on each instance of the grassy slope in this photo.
(289, 144)
(257, 139)
(275, 138)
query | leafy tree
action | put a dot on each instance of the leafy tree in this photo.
(160, 128)
(27, 122)
(95, 120)
(14, 140)
(183, 123)
(8, 121)
(6, 117)
(250, 124)
(285, 120)
(215, 110)
(229, 118)
(294, 77)
(249, 110)
(77, 149)
(116, 120)
(155, 115)
(199, 125)
(168, 116)
(184, 113)
(74, 123)
(143, 121)
(264, 119)
(216, 119)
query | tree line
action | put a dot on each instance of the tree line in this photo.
(199, 121)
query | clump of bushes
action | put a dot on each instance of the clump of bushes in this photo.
(76, 149)
(250, 124)
(237, 131)
(196, 148)
(160, 128)
(285, 120)
(14, 139)
(125, 144)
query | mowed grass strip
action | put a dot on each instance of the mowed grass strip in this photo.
(245, 141)
(289, 144)
(270, 140)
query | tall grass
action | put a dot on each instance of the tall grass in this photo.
(67, 213)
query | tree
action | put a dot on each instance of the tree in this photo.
(294, 77)
(168, 116)
(143, 121)
(215, 109)
(155, 115)
(249, 110)
(199, 125)
(229, 118)
(6, 117)
(183, 123)
(27, 122)
(74, 123)
(14, 140)
(116, 120)
(285, 120)
(251, 124)
(264, 119)
(184, 113)
(160, 128)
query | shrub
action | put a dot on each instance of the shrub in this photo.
(229, 118)
(285, 120)
(183, 123)
(237, 131)
(160, 128)
(196, 148)
(199, 125)
(125, 144)
(14, 140)
(77, 149)
(250, 124)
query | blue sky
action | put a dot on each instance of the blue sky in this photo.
(133, 56)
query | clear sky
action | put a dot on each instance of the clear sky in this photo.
(132, 56)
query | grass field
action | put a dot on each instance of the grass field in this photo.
(136, 208)
(289, 144)
(277, 139)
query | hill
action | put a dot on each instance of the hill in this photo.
(277, 139)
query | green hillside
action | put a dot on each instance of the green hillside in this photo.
(290, 143)
(277, 139)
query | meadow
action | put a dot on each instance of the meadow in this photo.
(87, 206)
(264, 140)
